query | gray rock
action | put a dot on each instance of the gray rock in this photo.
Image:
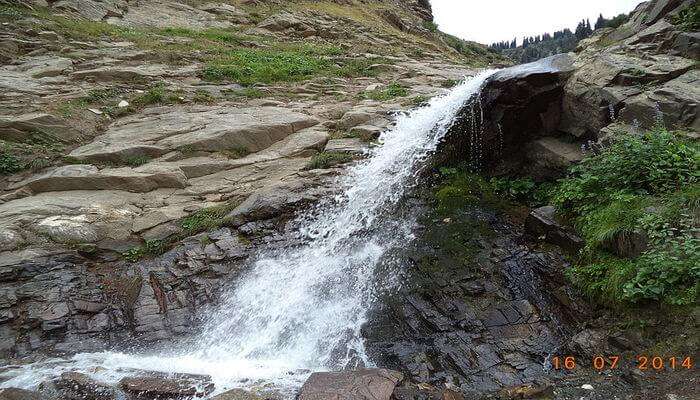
(369, 384)
(20, 128)
(237, 394)
(550, 157)
(88, 177)
(542, 223)
(157, 131)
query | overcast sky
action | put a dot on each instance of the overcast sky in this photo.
(488, 21)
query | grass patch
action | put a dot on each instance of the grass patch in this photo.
(392, 91)
(327, 160)
(646, 184)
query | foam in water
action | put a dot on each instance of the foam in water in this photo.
(301, 309)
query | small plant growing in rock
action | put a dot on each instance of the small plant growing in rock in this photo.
(9, 163)
(327, 160)
(393, 90)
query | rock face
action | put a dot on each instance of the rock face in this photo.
(370, 384)
(632, 77)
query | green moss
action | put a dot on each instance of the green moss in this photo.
(327, 160)
(688, 19)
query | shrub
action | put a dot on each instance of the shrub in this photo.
(688, 19)
(640, 183)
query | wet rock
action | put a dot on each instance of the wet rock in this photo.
(20, 394)
(237, 394)
(77, 386)
(369, 384)
(178, 386)
(519, 104)
(542, 223)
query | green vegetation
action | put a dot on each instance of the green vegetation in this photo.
(202, 220)
(37, 152)
(640, 185)
(328, 160)
(136, 161)
(688, 19)
(392, 91)
(150, 248)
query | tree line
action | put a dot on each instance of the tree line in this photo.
(533, 48)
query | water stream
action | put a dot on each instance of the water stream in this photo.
(300, 309)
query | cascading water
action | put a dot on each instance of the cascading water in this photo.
(301, 309)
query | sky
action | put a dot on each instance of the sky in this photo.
(488, 21)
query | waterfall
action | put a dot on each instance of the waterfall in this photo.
(301, 309)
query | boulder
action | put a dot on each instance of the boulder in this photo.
(542, 223)
(550, 157)
(166, 14)
(369, 384)
(176, 386)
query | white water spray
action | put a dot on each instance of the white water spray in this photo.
(301, 309)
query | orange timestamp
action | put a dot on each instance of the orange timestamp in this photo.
(641, 362)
